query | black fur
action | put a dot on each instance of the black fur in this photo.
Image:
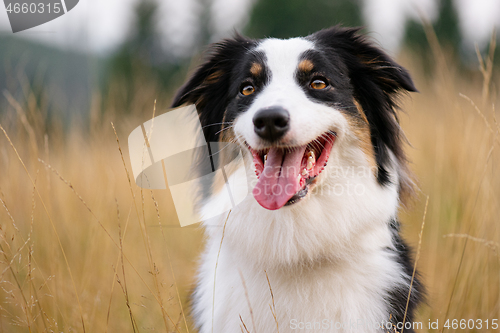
(397, 298)
(376, 79)
(211, 86)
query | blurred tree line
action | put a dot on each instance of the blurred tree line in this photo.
(141, 60)
(447, 32)
(140, 64)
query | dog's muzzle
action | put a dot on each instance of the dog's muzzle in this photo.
(271, 123)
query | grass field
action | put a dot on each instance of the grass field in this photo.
(83, 249)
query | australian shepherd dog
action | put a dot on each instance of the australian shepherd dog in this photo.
(315, 246)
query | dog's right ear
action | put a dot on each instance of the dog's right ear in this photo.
(208, 87)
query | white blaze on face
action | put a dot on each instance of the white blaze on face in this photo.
(308, 119)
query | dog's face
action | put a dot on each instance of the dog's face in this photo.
(295, 104)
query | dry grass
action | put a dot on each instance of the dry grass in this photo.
(453, 129)
(82, 250)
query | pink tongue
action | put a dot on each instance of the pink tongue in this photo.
(279, 180)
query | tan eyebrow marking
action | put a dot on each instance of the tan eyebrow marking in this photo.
(256, 69)
(306, 65)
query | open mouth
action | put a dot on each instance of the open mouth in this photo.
(286, 173)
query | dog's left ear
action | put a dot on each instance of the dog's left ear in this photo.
(376, 80)
(208, 87)
(364, 60)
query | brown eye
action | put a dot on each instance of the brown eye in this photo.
(318, 84)
(247, 90)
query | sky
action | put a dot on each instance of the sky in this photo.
(98, 26)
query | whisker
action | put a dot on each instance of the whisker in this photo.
(225, 128)
(215, 124)
(345, 107)
(220, 150)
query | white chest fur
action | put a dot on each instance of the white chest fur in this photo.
(327, 259)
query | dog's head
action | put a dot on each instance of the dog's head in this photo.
(296, 104)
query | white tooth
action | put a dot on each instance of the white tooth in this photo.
(304, 172)
(310, 154)
(309, 165)
(265, 157)
(299, 177)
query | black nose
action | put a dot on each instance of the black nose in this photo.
(271, 123)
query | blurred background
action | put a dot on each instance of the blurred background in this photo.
(83, 249)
